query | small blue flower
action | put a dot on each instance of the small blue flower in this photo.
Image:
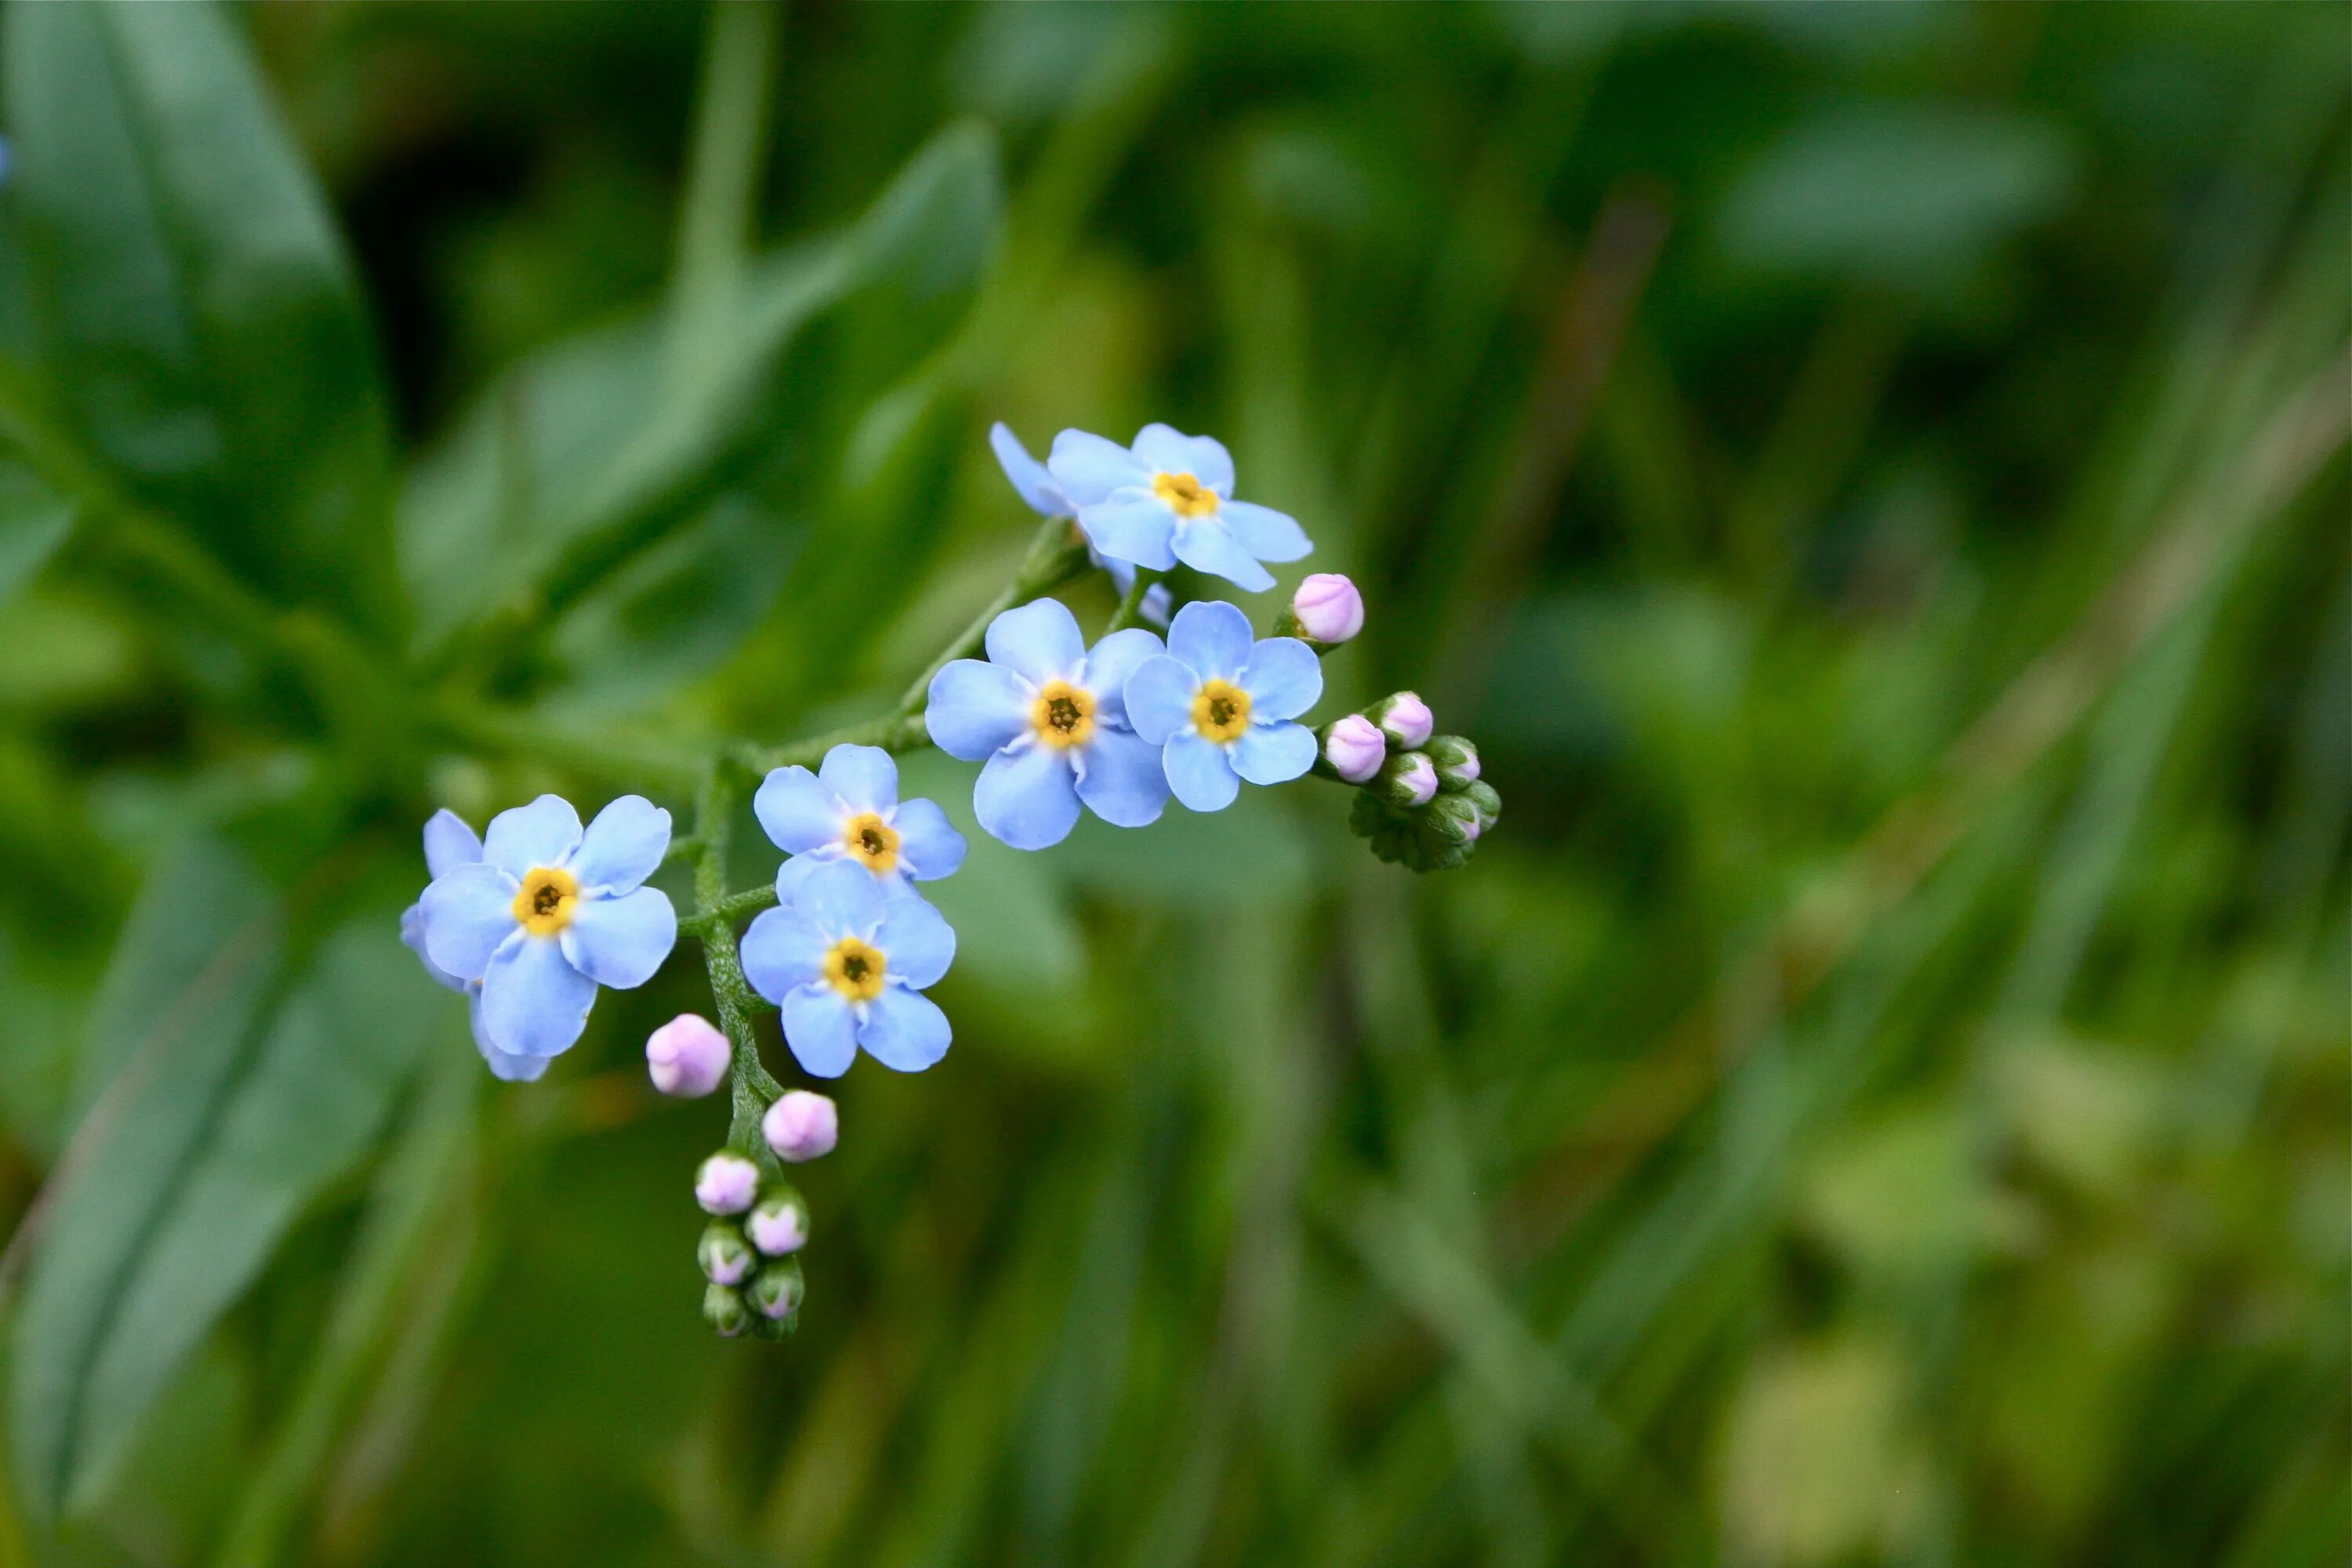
(448, 844)
(1048, 716)
(1045, 499)
(548, 914)
(848, 967)
(1170, 499)
(1221, 705)
(849, 810)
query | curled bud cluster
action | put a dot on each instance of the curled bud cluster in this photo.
(753, 1276)
(1422, 805)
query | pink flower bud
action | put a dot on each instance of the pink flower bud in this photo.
(1328, 608)
(687, 1057)
(726, 1184)
(802, 1126)
(1355, 747)
(1407, 720)
(1409, 780)
(779, 1225)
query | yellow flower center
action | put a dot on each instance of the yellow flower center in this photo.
(1187, 495)
(872, 840)
(1063, 715)
(546, 901)
(1220, 711)
(855, 969)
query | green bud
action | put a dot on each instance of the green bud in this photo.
(775, 1330)
(775, 1291)
(726, 1258)
(1406, 780)
(723, 1309)
(1453, 820)
(1456, 760)
(1490, 804)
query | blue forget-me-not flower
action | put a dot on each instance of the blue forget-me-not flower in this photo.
(849, 810)
(450, 843)
(548, 913)
(848, 967)
(1221, 705)
(1167, 498)
(1039, 488)
(1047, 715)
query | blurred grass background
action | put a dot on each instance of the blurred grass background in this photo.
(1870, 476)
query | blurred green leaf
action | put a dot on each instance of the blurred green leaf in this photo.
(191, 298)
(34, 520)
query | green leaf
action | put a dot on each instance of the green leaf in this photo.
(34, 520)
(249, 1083)
(191, 298)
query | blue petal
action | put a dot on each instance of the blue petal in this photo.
(865, 777)
(1273, 753)
(1158, 696)
(917, 943)
(534, 1004)
(797, 813)
(1026, 796)
(1139, 530)
(1203, 457)
(449, 843)
(1028, 475)
(467, 913)
(820, 1028)
(504, 1065)
(540, 834)
(1206, 544)
(976, 708)
(412, 935)
(1199, 773)
(1268, 534)
(1157, 603)
(840, 899)
(1112, 661)
(904, 1030)
(782, 950)
(1039, 642)
(1121, 780)
(623, 845)
(1088, 467)
(1283, 677)
(929, 847)
(1212, 636)
(621, 941)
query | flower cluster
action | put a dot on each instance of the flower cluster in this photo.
(1423, 804)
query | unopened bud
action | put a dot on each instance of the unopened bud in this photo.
(687, 1057)
(1407, 780)
(1404, 718)
(1456, 760)
(780, 1224)
(1454, 819)
(1490, 804)
(802, 1126)
(775, 1291)
(1354, 748)
(1327, 608)
(723, 1309)
(723, 1252)
(727, 1183)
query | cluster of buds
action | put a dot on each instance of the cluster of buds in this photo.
(1421, 803)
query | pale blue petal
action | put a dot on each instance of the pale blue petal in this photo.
(621, 941)
(784, 948)
(1039, 641)
(1283, 677)
(1028, 475)
(623, 847)
(540, 834)
(449, 843)
(412, 935)
(929, 845)
(506, 1066)
(1139, 530)
(904, 1030)
(1173, 452)
(975, 709)
(1026, 796)
(917, 943)
(1157, 603)
(797, 813)
(1206, 544)
(467, 913)
(1088, 467)
(1268, 534)
(840, 899)
(1112, 661)
(1273, 753)
(865, 777)
(534, 1004)
(1120, 779)
(1199, 773)
(820, 1029)
(1212, 637)
(1158, 696)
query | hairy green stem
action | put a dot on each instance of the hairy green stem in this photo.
(754, 1088)
(1130, 603)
